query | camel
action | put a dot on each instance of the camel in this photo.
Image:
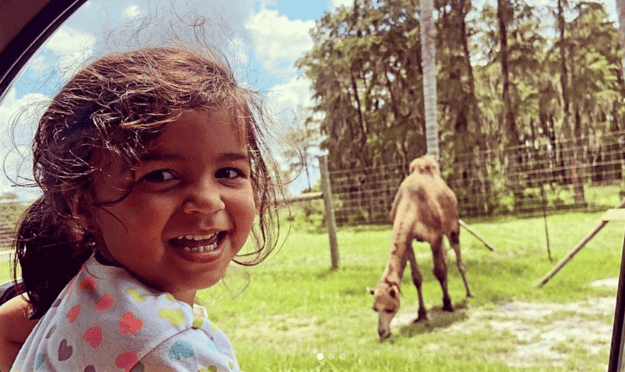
(424, 209)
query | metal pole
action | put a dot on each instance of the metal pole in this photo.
(616, 348)
(575, 250)
(571, 254)
(542, 193)
(469, 229)
(428, 51)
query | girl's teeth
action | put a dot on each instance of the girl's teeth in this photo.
(196, 238)
(204, 248)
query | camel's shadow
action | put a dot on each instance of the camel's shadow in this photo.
(437, 319)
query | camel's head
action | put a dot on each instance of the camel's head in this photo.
(386, 304)
(424, 165)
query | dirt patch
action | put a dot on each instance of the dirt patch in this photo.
(541, 328)
(542, 332)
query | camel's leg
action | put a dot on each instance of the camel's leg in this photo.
(417, 279)
(454, 240)
(440, 271)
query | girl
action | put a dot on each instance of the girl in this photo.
(153, 170)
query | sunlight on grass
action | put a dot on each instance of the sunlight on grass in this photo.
(295, 307)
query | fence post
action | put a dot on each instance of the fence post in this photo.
(327, 201)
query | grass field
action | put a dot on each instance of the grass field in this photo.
(284, 314)
(295, 308)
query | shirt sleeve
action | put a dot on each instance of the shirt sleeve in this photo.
(190, 350)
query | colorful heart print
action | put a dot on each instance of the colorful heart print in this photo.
(127, 361)
(212, 368)
(65, 351)
(73, 313)
(211, 345)
(87, 284)
(130, 324)
(51, 331)
(41, 357)
(136, 295)
(180, 349)
(105, 302)
(89, 368)
(93, 336)
(174, 316)
(197, 323)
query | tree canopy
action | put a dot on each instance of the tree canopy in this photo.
(512, 78)
(366, 72)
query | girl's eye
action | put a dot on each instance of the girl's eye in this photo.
(229, 173)
(159, 176)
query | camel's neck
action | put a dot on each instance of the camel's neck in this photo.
(394, 271)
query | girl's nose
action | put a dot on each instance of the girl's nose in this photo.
(204, 200)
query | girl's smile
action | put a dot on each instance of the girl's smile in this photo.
(199, 248)
(190, 211)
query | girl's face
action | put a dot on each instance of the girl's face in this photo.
(191, 210)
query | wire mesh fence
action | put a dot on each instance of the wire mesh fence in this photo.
(548, 176)
(6, 237)
(10, 212)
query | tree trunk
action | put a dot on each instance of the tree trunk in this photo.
(577, 169)
(564, 74)
(475, 114)
(567, 133)
(364, 156)
(509, 129)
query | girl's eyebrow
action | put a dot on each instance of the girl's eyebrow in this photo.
(233, 156)
(153, 157)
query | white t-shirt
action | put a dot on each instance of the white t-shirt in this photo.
(106, 320)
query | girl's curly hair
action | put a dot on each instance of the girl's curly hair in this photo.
(116, 106)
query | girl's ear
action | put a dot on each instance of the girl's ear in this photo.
(82, 210)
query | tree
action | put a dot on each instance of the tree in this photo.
(505, 81)
(366, 74)
(505, 15)
(8, 195)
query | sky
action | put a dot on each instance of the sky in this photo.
(262, 39)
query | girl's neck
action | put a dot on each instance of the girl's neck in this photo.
(103, 260)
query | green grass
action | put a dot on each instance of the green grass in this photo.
(282, 314)
(6, 272)
(295, 307)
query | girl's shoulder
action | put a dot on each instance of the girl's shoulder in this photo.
(106, 312)
(112, 294)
